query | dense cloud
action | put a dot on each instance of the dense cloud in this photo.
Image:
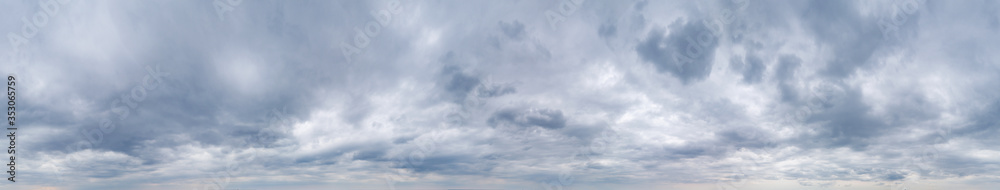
(578, 94)
(686, 53)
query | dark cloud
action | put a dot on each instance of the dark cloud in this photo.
(752, 68)
(545, 118)
(607, 30)
(985, 123)
(785, 73)
(457, 84)
(845, 118)
(495, 90)
(748, 137)
(686, 52)
(513, 30)
(369, 155)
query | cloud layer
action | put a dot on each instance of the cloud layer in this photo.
(576, 94)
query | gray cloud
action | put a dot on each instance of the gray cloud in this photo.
(545, 118)
(456, 94)
(686, 53)
(751, 67)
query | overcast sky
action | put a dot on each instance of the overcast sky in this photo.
(575, 94)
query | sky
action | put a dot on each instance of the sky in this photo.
(449, 94)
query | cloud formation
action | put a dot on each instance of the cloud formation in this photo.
(741, 94)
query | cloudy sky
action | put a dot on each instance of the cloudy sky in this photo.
(574, 94)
